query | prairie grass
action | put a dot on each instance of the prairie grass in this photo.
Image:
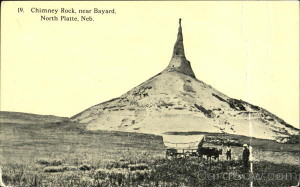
(56, 155)
(160, 172)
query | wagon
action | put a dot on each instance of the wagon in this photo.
(181, 145)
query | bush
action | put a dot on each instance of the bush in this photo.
(55, 163)
(69, 168)
(43, 162)
(46, 162)
(140, 166)
(85, 167)
(52, 169)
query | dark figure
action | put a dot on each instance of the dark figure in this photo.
(228, 152)
(246, 154)
(209, 152)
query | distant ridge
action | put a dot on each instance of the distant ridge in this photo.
(27, 118)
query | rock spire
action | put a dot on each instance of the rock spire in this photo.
(179, 62)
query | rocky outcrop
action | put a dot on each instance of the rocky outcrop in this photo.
(174, 100)
(179, 62)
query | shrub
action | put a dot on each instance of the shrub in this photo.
(52, 169)
(43, 162)
(113, 165)
(124, 164)
(69, 168)
(121, 164)
(140, 166)
(54, 162)
(85, 167)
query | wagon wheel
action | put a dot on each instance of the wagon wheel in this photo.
(187, 154)
(167, 153)
(170, 153)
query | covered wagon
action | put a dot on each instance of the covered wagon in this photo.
(182, 145)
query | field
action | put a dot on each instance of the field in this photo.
(63, 154)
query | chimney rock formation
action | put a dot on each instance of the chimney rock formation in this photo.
(174, 100)
(179, 62)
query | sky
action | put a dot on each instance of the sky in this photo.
(247, 50)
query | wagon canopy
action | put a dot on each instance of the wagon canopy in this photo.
(183, 141)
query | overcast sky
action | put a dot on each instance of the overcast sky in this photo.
(247, 50)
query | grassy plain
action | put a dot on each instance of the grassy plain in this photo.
(64, 154)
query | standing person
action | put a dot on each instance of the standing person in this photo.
(246, 154)
(228, 152)
(251, 153)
